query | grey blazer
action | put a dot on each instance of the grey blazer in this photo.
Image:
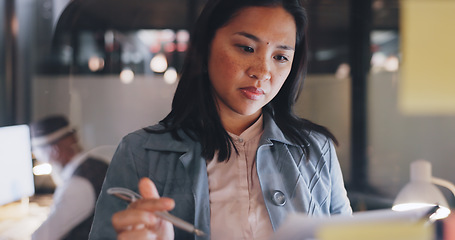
(289, 181)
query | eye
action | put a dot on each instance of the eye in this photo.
(246, 48)
(281, 58)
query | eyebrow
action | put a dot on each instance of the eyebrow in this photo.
(256, 39)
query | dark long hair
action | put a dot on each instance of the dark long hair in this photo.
(193, 108)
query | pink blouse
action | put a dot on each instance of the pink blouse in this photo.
(236, 203)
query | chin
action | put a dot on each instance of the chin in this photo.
(250, 112)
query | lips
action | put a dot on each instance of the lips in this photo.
(252, 92)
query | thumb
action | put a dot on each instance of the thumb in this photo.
(148, 189)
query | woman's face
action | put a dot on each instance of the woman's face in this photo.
(250, 58)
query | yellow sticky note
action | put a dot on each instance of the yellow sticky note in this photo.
(377, 231)
(428, 54)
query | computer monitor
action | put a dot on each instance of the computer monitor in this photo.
(16, 173)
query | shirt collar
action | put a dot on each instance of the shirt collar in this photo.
(251, 132)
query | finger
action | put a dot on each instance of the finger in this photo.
(137, 234)
(151, 205)
(133, 217)
(148, 189)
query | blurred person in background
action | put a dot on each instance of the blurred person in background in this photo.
(77, 175)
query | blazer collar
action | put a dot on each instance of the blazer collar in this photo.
(165, 141)
(272, 132)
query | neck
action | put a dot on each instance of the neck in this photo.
(238, 124)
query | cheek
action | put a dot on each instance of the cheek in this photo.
(55, 154)
(276, 88)
(280, 79)
(222, 68)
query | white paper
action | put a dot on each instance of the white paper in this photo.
(299, 226)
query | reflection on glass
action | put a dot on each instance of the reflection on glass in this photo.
(391, 64)
(385, 49)
(42, 169)
(127, 76)
(95, 63)
(158, 63)
(90, 51)
(170, 76)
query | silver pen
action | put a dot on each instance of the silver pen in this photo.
(131, 196)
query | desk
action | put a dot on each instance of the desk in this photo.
(19, 220)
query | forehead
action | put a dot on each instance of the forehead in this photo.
(268, 23)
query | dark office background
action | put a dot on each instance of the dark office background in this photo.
(346, 36)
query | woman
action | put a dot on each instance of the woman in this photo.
(231, 157)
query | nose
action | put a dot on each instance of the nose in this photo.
(260, 70)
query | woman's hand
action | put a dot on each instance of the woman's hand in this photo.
(138, 220)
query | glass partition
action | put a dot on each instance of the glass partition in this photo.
(114, 69)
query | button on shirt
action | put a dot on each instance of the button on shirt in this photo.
(237, 206)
